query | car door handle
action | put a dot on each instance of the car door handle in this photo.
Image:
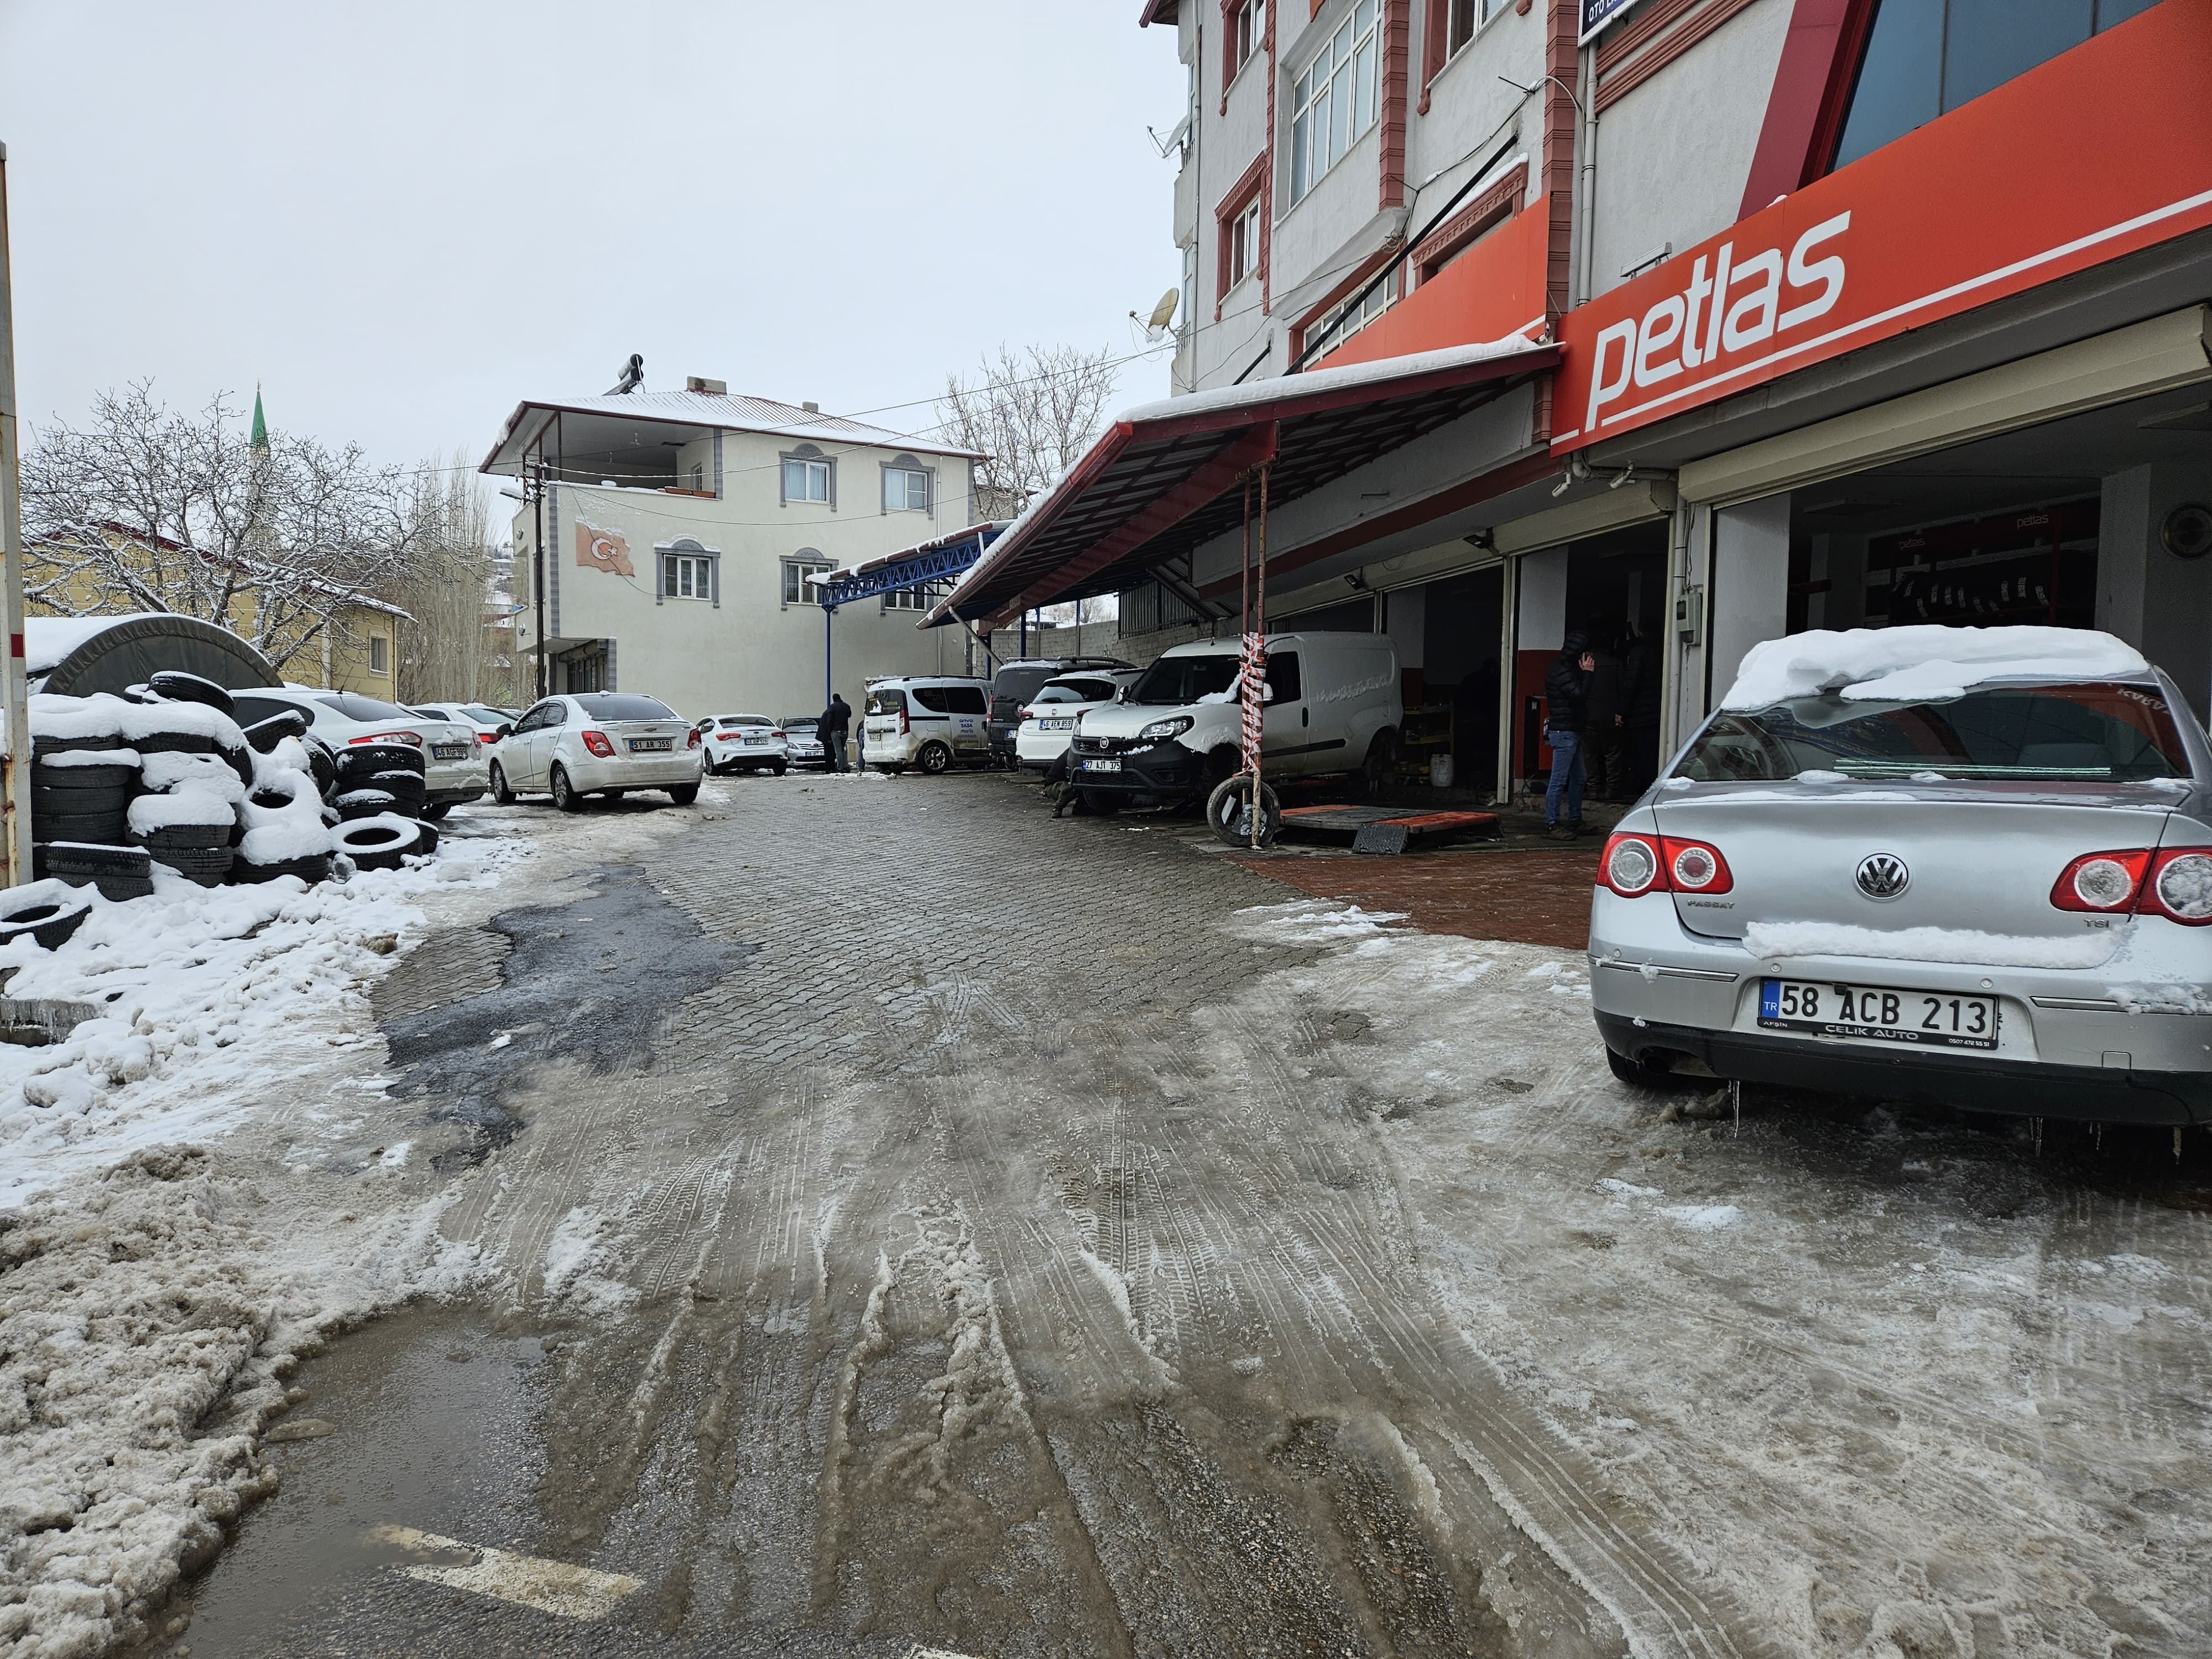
(1302, 717)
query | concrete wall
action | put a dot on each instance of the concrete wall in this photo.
(1751, 583)
(2150, 598)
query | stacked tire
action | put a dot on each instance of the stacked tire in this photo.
(188, 819)
(377, 778)
(81, 793)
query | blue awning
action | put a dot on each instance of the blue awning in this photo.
(913, 566)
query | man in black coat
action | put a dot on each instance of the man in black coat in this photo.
(1601, 731)
(1639, 709)
(1566, 700)
(836, 722)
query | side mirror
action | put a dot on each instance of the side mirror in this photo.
(504, 732)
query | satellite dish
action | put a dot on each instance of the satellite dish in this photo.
(1163, 314)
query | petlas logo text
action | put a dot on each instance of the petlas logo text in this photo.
(1730, 307)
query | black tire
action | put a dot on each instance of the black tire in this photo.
(265, 735)
(87, 859)
(76, 811)
(437, 809)
(175, 743)
(684, 793)
(406, 789)
(41, 747)
(94, 830)
(564, 793)
(174, 685)
(425, 841)
(362, 760)
(933, 759)
(1375, 770)
(501, 795)
(185, 838)
(322, 765)
(1228, 812)
(781, 770)
(310, 869)
(50, 921)
(241, 762)
(78, 803)
(119, 889)
(1099, 803)
(71, 779)
(358, 803)
(1639, 1075)
(206, 865)
(378, 843)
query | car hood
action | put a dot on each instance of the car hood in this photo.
(1125, 719)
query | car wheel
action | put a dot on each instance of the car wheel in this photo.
(684, 793)
(1636, 1073)
(1228, 812)
(438, 809)
(1101, 803)
(564, 793)
(1375, 770)
(500, 791)
(934, 758)
(781, 770)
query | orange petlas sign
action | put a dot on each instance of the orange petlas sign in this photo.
(2105, 149)
(603, 549)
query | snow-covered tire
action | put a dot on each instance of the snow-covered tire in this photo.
(430, 837)
(406, 789)
(207, 866)
(95, 829)
(377, 843)
(364, 760)
(185, 838)
(357, 803)
(322, 765)
(174, 685)
(41, 747)
(310, 869)
(88, 859)
(265, 735)
(120, 778)
(176, 742)
(48, 919)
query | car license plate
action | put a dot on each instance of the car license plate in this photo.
(1879, 1013)
(1056, 725)
(1102, 766)
(650, 745)
(756, 741)
(450, 750)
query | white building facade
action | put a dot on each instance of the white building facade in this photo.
(665, 541)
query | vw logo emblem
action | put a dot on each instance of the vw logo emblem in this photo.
(1883, 876)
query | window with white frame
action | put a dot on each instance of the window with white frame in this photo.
(1354, 315)
(379, 654)
(907, 599)
(797, 590)
(686, 576)
(1468, 16)
(1333, 101)
(1244, 242)
(806, 476)
(906, 489)
(1248, 33)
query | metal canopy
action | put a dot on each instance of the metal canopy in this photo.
(914, 567)
(1165, 478)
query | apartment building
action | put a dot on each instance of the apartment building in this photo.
(1716, 320)
(665, 540)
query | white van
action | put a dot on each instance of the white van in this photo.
(927, 722)
(1332, 706)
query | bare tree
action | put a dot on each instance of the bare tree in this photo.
(444, 583)
(1032, 414)
(145, 508)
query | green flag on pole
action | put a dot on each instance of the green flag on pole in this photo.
(260, 440)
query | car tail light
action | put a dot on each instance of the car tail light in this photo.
(2180, 886)
(1634, 864)
(905, 725)
(487, 737)
(597, 743)
(777, 735)
(414, 737)
(692, 741)
(2106, 882)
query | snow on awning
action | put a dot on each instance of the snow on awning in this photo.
(80, 655)
(1165, 477)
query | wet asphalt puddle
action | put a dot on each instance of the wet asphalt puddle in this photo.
(587, 983)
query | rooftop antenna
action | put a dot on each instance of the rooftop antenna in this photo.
(632, 376)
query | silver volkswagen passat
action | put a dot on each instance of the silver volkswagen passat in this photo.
(1995, 898)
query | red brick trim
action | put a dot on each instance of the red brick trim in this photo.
(1700, 18)
(1805, 111)
(1486, 212)
(1395, 70)
(1562, 22)
(1267, 176)
(1250, 187)
(1436, 39)
(1653, 20)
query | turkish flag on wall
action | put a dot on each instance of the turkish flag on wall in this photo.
(603, 549)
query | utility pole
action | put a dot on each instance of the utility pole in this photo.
(15, 703)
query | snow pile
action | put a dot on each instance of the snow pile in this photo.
(1923, 661)
(1785, 939)
(293, 827)
(1318, 921)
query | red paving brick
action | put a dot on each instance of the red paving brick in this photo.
(1531, 897)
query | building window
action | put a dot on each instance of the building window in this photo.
(907, 599)
(906, 487)
(1244, 243)
(1189, 291)
(1333, 100)
(379, 654)
(1248, 33)
(1354, 315)
(698, 477)
(1468, 16)
(809, 476)
(1924, 57)
(797, 590)
(685, 576)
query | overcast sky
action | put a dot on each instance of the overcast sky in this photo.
(401, 219)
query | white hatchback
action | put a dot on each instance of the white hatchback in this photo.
(453, 768)
(596, 742)
(1050, 720)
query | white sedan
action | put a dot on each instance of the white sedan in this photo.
(454, 767)
(596, 742)
(744, 742)
(1049, 719)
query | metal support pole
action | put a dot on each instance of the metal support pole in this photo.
(1256, 665)
(829, 668)
(533, 484)
(15, 730)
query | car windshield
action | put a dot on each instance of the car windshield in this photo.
(613, 705)
(1176, 681)
(2084, 732)
(358, 708)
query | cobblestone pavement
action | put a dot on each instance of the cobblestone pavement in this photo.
(992, 1248)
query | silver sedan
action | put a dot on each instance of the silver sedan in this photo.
(1995, 898)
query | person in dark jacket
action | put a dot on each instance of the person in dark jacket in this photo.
(836, 723)
(1602, 732)
(1639, 709)
(1566, 711)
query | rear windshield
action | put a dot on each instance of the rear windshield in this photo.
(613, 705)
(2090, 732)
(729, 721)
(1175, 681)
(356, 708)
(487, 713)
(1075, 691)
(886, 702)
(801, 723)
(1015, 685)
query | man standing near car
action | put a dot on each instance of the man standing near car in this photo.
(836, 721)
(1566, 699)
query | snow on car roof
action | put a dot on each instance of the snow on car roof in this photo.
(1925, 660)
